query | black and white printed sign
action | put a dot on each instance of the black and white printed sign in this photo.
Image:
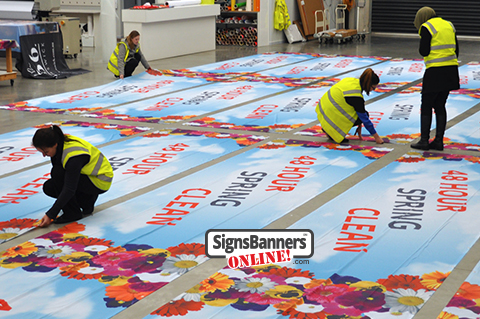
(42, 57)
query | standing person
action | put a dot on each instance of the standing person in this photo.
(343, 107)
(126, 56)
(80, 172)
(439, 47)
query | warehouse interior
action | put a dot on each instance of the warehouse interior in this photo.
(379, 41)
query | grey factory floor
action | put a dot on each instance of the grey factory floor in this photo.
(374, 45)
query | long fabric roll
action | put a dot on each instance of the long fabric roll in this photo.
(178, 3)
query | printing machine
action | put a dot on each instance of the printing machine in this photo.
(27, 11)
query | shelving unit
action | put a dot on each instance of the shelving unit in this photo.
(242, 28)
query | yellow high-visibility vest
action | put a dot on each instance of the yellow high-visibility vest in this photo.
(98, 168)
(281, 18)
(113, 62)
(335, 115)
(442, 48)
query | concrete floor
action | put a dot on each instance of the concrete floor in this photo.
(374, 45)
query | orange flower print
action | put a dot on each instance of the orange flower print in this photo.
(434, 279)
(24, 250)
(446, 315)
(178, 308)
(217, 281)
(86, 241)
(469, 291)
(71, 228)
(401, 281)
(18, 223)
(125, 293)
(318, 282)
(289, 304)
(188, 249)
(70, 271)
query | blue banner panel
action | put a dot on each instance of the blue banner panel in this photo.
(280, 113)
(112, 259)
(322, 67)
(17, 152)
(137, 163)
(397, 117)
(253, 63)
(465, 135)
(183, 105)
(382, 249)
(393, 74)
(136, 87)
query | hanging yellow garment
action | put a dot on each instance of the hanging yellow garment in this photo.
(281, 18)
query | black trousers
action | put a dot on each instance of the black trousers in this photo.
(83, 202)
(433, 101)
(131, 65)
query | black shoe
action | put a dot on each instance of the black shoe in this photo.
(345, 140)
(66, 219)
(436, 145)
(421, 145)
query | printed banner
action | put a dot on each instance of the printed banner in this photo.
(17, 152)
(253, 63)
(397, 117)
(280, 113)
(179, 106)
(136, 87)
(393, 74)
(414, 207)
(137, 163)
(470, 76)
(464, 302)
(111, 260)
(320, 68)
(42, 57)
(465, 135)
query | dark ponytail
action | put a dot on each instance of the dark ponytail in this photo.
(48, 137)
(368, 79)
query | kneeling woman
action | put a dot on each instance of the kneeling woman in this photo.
(343, 107)
(80, 172)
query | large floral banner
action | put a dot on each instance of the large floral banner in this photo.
(110, 260)
(17, 152)
(137, 163)
(397, 117)
(136, 87)
(253, 63)
(179, 106)
(280, 113)
(382, 248)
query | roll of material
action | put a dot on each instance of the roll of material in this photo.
(179, 3)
